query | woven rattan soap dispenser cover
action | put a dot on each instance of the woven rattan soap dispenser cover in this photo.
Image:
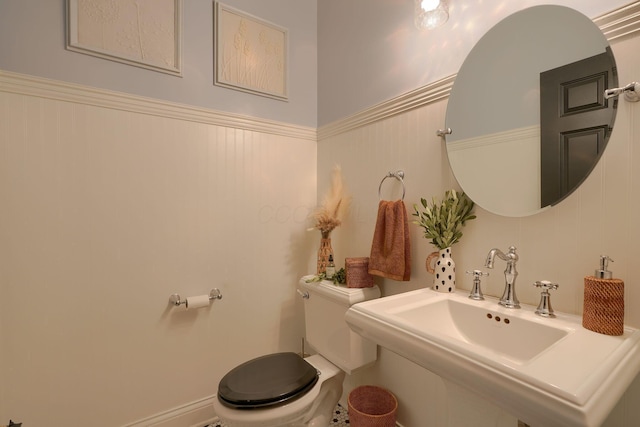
(603, 301)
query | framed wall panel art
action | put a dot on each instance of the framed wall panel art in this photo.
(250, 54)
(143, 33)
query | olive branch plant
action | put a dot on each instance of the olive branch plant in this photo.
(442, 222)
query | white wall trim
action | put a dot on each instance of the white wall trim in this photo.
(70, 92)
(615, 24)
(414, 99)
(620, 22)
(196, 413)
(504, 137)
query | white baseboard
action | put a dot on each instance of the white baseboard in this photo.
(206, 422)
(194, 414)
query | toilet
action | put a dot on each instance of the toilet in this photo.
(283, 389)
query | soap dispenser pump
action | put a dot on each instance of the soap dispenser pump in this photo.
(602, 272)
(603, 301)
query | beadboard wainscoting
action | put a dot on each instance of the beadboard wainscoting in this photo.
(110, 204)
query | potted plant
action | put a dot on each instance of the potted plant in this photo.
(442, 223)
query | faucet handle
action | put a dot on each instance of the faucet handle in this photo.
(544, 308)
(546, 285)
(477, 273)
(476, 291)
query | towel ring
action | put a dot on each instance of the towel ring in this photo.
(399, 175)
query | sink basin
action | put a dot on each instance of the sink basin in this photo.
(546, 371)
(511, 337)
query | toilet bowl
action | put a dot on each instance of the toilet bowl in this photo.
(283, 389)
(311, 407)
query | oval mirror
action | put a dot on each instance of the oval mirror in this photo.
(527, 110)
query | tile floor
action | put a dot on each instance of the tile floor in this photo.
(340, 418)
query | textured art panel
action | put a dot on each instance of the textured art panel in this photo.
(251, 54)
(144, 33)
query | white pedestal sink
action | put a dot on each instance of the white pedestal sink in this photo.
(545, 371)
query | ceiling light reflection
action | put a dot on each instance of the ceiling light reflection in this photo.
(430, 14)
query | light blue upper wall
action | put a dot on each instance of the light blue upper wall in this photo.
(369, 51)
(32, 41)
(344, 56)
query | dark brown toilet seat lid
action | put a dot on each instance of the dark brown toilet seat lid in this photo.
(267, 381)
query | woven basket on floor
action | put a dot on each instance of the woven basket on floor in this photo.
(372, 406)
(603, 305)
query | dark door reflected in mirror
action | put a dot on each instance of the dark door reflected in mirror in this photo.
(575, 123)
(527, 110)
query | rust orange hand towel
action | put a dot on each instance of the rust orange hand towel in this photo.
(391, 247)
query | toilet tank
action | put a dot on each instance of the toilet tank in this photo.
(328, 332)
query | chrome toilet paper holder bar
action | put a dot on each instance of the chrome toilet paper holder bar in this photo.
(175, 299)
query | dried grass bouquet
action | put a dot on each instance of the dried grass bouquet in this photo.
(335, 205)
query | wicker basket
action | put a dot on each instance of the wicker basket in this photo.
(603, 305)
(372, 406)
(357, 272)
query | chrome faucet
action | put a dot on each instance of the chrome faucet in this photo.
(509, 298)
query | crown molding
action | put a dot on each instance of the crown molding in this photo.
(70, 92)
(618, 23)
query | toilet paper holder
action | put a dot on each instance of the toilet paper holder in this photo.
(175, 299)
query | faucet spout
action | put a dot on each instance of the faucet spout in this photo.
(492, 255)
(508, 298)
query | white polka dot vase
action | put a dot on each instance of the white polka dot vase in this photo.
(443, 268)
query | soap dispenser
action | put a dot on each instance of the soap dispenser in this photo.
(603, 301)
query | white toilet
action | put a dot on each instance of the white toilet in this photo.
(283, 389)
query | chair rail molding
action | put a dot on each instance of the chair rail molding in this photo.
(11, 82)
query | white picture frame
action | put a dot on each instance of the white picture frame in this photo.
(250, 54)
(145, 33)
